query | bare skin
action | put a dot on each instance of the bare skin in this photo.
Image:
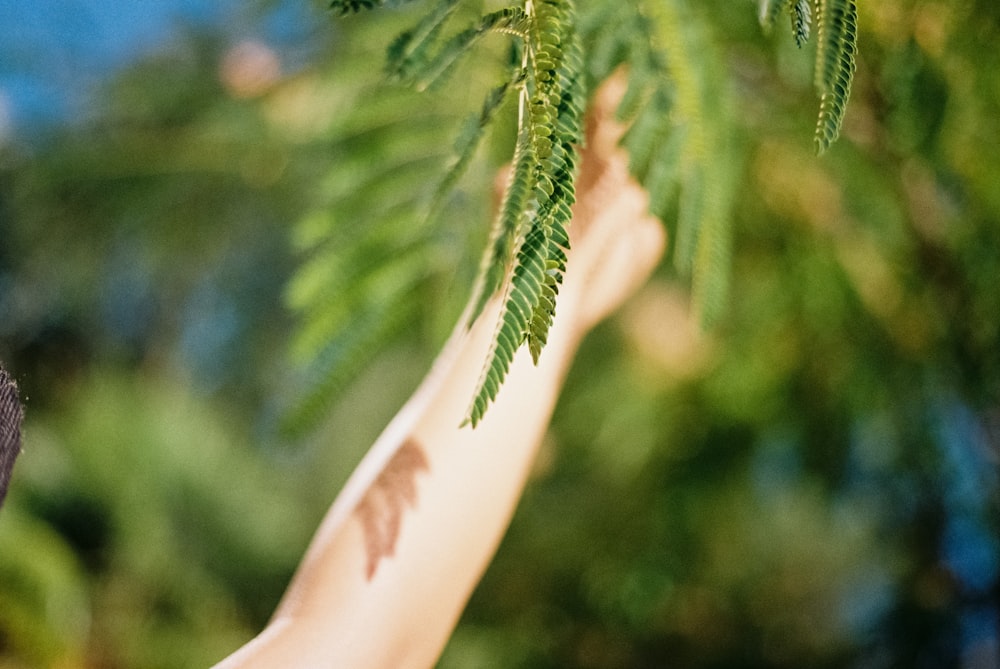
(397, 556)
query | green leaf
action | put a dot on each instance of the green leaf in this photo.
(704, 156)
(507, 225)
(540, 195)
(467, 142)
(801, 18)
(524, 291)
(837, 46)
(409, 53)
(429, 69)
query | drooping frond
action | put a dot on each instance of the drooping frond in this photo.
(354, 274)
(837, 45)
(507, 225)
(370, 253)
(801, 17)
(702, 241)
(418, 58)
(678, 140)
(466, 144)
(523, 294)
(836, 49)
(409, 53)
(680, 150)
(799, 13)
(536, 207)
(559, 68)
(354, 290)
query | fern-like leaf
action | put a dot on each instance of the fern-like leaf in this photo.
(678, 143)
(368, 254)
(410, 52)
(703, 218)
(540, 196)
(342, 357)
(507, 225)
(837, 45)
(433, 68)
(801, 18)
(523, 293)
(799, 12)
(554, 193)
(467, 142)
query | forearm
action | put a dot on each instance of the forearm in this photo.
(475, 480)
(401, 550)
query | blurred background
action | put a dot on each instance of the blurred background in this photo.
(811, 483)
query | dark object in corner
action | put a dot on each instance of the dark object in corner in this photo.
(11, 415)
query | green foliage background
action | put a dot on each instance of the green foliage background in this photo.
(812, 482)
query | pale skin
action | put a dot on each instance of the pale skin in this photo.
(401, 549)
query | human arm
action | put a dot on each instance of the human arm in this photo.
(397, 556)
